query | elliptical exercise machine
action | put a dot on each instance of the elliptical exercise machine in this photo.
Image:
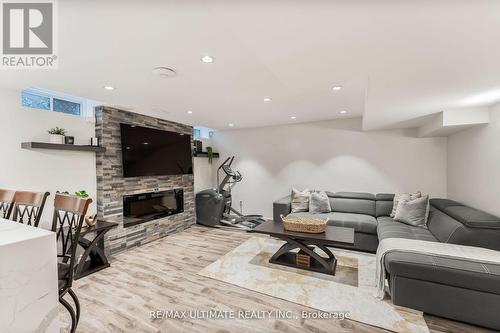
(214, 206)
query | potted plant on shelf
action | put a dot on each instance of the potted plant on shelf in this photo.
(210, 154)
(56, 135)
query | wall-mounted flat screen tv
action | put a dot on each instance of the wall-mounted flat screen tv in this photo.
(153, 152)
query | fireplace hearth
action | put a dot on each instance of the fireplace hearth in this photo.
(144, 207)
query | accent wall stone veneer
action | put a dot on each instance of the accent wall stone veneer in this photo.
(112, 186)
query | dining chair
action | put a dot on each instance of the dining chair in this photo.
(69, 213)
(6, 201)
(28, 207)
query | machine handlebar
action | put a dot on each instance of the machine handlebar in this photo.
(231, 176)
(224, 163)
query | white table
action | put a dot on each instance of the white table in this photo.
(28, 279)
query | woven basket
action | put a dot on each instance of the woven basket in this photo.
(303, 224)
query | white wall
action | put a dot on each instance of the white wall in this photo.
(330, 155)
(204, 173)
(474, 165)
(43, 170)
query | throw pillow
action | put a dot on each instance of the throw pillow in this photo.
(413, 212)
(319, 202)
(300, 200)
(403, 196)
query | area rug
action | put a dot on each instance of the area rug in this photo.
(351, 290)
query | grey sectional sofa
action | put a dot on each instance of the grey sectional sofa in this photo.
(457, 289)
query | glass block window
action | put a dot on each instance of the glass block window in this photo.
(35, 101)
(53, 101)
(66, 107)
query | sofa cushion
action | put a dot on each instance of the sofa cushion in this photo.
(449, 230)
(383, 204)
(449, 271)
(473, 218)
(414, 212)
(442, 226)
(353, 202)
(403, 197)
(388, 228)
(354, 195)
(359, 222)
(384, 196)
(442, 204)
(300, 200)
(319, 202)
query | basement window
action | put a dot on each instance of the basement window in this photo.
(68, 107)
(35, 101)
(43, 99)
(200, 132)
(196, 134)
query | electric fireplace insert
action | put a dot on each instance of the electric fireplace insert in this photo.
(143, 207)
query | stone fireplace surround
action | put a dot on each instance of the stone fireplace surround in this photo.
(112, 186)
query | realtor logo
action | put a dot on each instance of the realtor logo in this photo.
(28, 32)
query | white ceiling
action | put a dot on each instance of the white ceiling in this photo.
(397, 60)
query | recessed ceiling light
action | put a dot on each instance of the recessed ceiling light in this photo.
(337, 88)
(164, 72)
(132, 125)
(293, 117)
(207, 59)
(343, 112)
(190, 112)
(127, 147)
(230, 125)
(145, 143)
(109, 88)
(267, 99)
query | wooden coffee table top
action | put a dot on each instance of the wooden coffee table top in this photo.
(331, 235)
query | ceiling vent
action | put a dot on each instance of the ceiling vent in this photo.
(164, 72)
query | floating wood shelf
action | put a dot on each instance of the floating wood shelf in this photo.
(204, 154)
(57, 146)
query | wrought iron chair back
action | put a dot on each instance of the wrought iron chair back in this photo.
(69, 213)
(28, 207)
(6, 202)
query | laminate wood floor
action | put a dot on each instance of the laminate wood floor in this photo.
(162, 276)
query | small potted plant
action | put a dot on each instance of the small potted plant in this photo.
(210, 154)
(90, 220)
(56, 135)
